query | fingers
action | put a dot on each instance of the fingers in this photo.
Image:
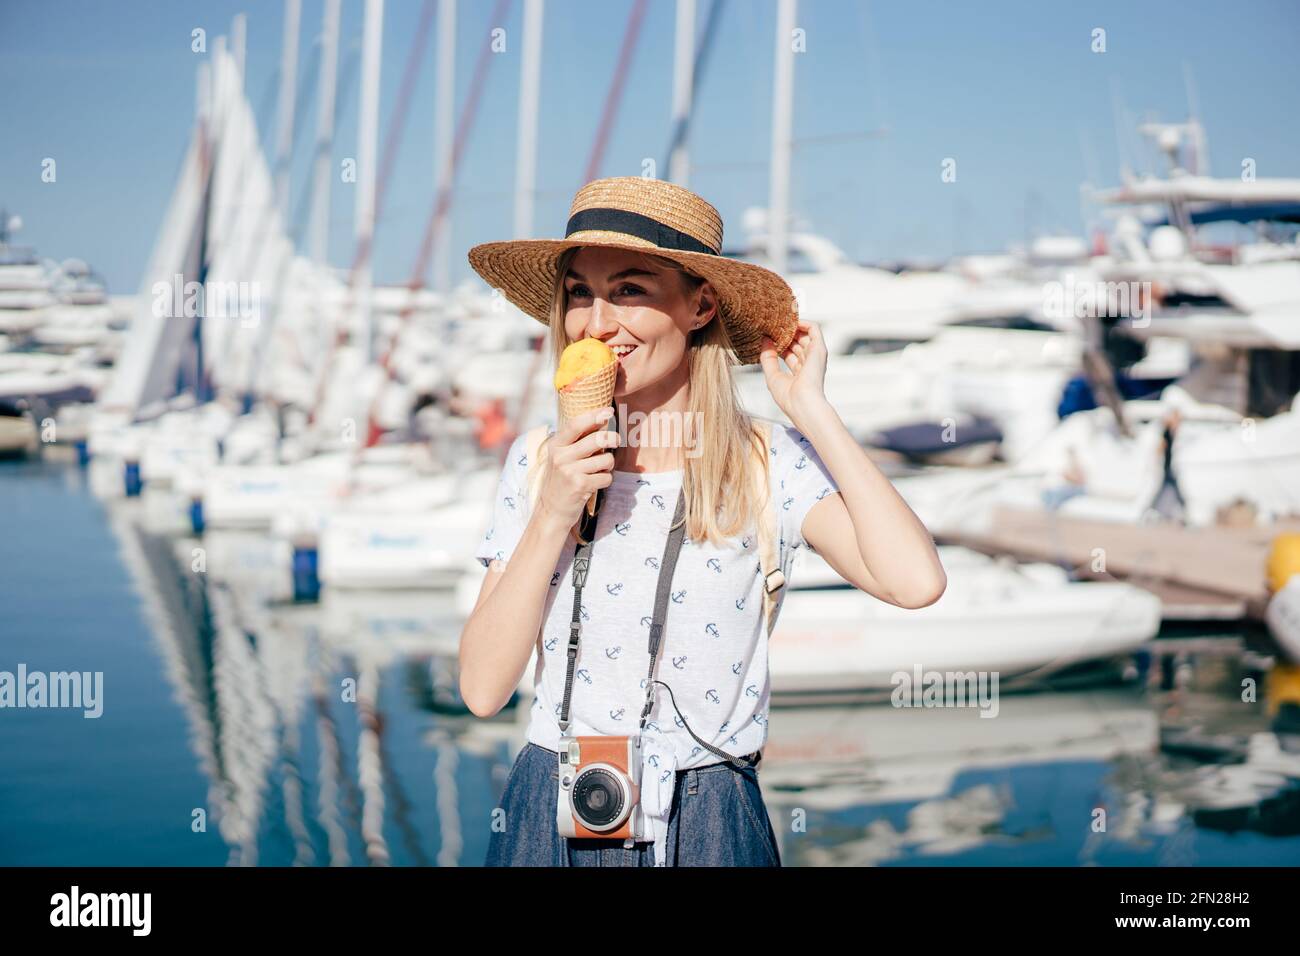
(575, 428)
(768, 359)
(603, 462)
(592, 444)
(601, 479)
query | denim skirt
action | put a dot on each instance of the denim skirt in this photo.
(718, 818)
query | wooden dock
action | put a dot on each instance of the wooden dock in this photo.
(1214, 573)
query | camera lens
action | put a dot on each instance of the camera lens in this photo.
(598, 799)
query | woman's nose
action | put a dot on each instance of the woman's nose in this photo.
(602, 318)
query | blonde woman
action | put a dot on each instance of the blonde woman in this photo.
(653, 633)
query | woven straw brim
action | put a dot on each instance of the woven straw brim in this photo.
(588, 393)
(752, 301)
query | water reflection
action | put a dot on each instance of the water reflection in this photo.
(332, 734)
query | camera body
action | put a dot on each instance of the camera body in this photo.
(600, 788)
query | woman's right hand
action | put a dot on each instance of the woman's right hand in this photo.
(578, 465)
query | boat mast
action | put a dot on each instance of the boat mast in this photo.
(367, 149)
(782, 122)
(239, 45)
(443, 120)
(284, 115)
(530, 80)
(683, 82)
(321, 178)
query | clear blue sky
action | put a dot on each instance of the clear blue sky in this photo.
(1011, 90)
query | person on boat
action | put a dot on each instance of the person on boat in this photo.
(640, 269)
(1168, 501)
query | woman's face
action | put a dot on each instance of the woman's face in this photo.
(626, 299)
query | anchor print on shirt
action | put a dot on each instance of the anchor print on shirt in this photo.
(802, 463)
(657, 501)
(723, 729)
(510, 502)
(746, 542)
(740, 604)
(711, 629)
(551, 642)
(615, 589)
(613, 652)
(583, 675)
(737, 667)
(751, 690)
(823, 493)
(522, 460)
(623, 527)
(712, 696)
(679, 596)
(713, 564)
(617, 714)
(652, 562)
(679, 662)
(555, 579)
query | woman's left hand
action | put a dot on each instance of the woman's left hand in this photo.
(803, 387)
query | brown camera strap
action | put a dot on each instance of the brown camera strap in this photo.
(663, 591)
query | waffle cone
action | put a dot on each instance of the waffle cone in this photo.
(587, 394)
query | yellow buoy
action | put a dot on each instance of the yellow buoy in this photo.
(1283, 620)
(1283, 560)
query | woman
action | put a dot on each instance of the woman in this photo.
(640, 268)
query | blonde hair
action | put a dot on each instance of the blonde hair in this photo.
(722, 500)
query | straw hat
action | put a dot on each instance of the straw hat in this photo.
(648, 215)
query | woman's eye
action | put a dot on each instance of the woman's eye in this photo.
(579, 291)
(630, 290)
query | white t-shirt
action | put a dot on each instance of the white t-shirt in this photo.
(713, 653)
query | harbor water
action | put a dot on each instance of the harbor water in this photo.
(245, 730)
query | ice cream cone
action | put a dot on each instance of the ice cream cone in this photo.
(587, 394)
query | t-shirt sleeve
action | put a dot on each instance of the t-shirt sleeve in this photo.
(509, 507)
(802, 479)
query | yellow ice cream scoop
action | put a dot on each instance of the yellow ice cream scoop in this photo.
(581, 359)
(585, 381)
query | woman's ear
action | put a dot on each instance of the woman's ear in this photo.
(707, 307)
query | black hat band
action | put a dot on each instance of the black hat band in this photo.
(635, 224)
